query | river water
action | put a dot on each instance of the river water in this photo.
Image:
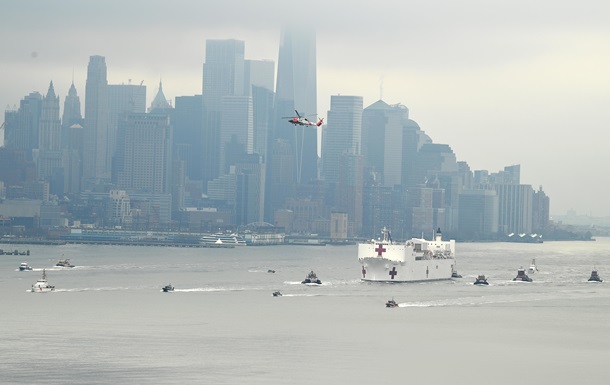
(109, 323)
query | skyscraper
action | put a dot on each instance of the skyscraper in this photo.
(96, 163)
(49, 134)
(236, 134)
(342, 135)
(144, 153)
(342, 166)
(223, 75)
(122, 99)
(382, 140)
(71, 115)
(296, 89)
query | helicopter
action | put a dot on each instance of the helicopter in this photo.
(301, 120)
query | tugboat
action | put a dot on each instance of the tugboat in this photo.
(270, 271)
(42, 285)
(24, 266)
(168, 288)
(312, 278)
(391, 303)
(64, 263)
(521, 276)
(533, 268)
(481, 280)
(594, 277)
(277, 293)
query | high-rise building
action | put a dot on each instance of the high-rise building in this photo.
(22, 134)
(296, 89)
(49, 157)
(122, 99)
(49, 134)
(96, 162)
(236, 133)
(514, 208)
(382, 140)
(144, 153)
(342, 134)
(478, 214)
(223, 75)
(540, 211)
(258, 73)
(343, 164)
(187, 134)
(71, 115)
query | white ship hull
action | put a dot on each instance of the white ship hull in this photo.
(413, 261)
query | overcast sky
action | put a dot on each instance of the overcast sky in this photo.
(501, 82)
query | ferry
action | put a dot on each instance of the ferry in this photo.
(416, 260)
(222, 240)
(42, 285)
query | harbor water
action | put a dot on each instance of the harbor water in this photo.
(108, 321)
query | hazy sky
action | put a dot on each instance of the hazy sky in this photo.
(501, 82)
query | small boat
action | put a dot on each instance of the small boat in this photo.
(391, 303)
(270, 271)
(455, 274)
(24, 266)
(533, 268)
(481, 280)
(594, 277)
(64, 263)
(277, 293)
(168, 288)
(521, 276)
(312, 278)
(42, 285)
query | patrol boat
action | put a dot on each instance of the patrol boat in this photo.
(418, 259)
(42, 285)
(594, 276)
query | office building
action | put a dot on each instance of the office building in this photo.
(296, 89)
(96, 162)
(144, 153)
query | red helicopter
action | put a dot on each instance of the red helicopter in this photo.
(302, 121)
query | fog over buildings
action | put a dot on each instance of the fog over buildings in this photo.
(501, 84)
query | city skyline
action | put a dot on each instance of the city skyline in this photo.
(513, 84)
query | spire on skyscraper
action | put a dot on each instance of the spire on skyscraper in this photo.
(159, 102)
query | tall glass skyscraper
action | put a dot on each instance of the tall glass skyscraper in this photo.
(296, 90)
(223, 75)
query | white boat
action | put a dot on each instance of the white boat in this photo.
(42, 285)
(417, 259)
(24, 266)
(222, 240)
(533, 268)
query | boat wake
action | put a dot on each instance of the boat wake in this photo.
(209, 289)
